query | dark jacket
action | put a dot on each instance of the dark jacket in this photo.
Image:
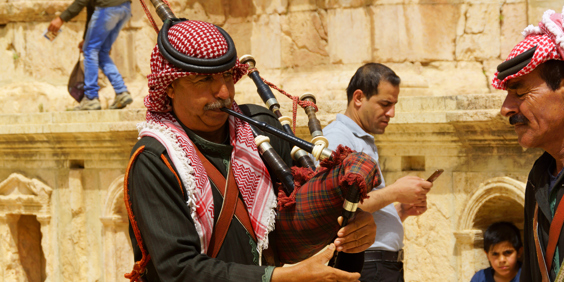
(74, 9)
(167, 228)
(537, 192)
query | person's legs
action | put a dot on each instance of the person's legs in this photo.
(93, 41)
(117, 17)
(382, 271)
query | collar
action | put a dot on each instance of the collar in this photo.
(539, 178)
(354, 127)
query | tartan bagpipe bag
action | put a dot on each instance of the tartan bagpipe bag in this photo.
(307, 219)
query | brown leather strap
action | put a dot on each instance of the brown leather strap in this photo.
(540, 257)
(232, 205)
(554, 234)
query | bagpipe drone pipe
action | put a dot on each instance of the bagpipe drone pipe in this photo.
(309, 200)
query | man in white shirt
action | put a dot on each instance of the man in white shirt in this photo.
(372, 95)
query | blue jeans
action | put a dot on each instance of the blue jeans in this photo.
(103, 30)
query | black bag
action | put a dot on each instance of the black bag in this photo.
(76, 81)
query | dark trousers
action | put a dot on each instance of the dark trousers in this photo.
(382, 271)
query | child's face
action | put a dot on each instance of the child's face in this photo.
(503, 258)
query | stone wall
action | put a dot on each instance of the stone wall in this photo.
(62, 172)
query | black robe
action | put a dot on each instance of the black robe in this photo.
(168, 230)
(537, 192)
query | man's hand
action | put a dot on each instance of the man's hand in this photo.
(405, 210)
(411, 190)
(313, 269)
(80, 45)
(358, 235)
(55, 24)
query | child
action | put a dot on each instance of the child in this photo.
(502, 244)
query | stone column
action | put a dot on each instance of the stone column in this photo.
(45, 222)
(465, 248)
(77, 230)
(109, 249)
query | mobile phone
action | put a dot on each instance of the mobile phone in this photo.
(51, 35)
(435, 175)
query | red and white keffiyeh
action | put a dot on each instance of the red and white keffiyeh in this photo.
(202, 40)
(549, 39)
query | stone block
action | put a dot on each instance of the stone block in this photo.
(536, 9)
(33, 11)
(514, 21)
(271, 7)
(208, 11)
(349, 36)
(265, 41)
(339, 4)
(490, 68)
(414, 32)
(44, 60)
(480, 40)
(305, 5)
(143, 45)
(241, 33)
(463, 78)
(238, 9)
(305, 39)
(39, 97)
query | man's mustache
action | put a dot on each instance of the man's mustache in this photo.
(518, 118)
(221, 103)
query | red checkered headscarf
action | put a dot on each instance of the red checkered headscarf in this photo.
(193, 38)
(549, 39)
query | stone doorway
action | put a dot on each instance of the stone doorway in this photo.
(24, 229)
(498, 199)
(28, 237)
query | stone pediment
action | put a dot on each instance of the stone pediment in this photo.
(18, 188)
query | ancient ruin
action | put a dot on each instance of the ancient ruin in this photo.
(62, 216)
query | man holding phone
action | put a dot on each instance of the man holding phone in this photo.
(372, 95)
(104, 25)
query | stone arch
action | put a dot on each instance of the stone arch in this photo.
(28, 200)
(497, 194)
(118, 254)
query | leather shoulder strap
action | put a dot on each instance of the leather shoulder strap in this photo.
(554, 234)
(232, 205)
(540, 256)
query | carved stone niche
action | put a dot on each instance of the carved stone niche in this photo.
(498, 199)
(118, 254)
(25, 230)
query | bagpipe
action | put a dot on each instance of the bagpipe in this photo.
(310, 199)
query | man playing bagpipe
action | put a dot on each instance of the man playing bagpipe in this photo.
(193, 162)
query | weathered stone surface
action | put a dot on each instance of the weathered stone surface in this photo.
(271, 6)
(514, 21)
(349, 36)
(304, 5)
(412, 33)
(265, 41)
(461, 78)
(305, 39)
(335, 4)
(30, 11)
(536, 9)
(480, 39)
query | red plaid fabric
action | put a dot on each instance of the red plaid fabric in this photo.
(194, 38)
(307, 219)
(548, 36)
